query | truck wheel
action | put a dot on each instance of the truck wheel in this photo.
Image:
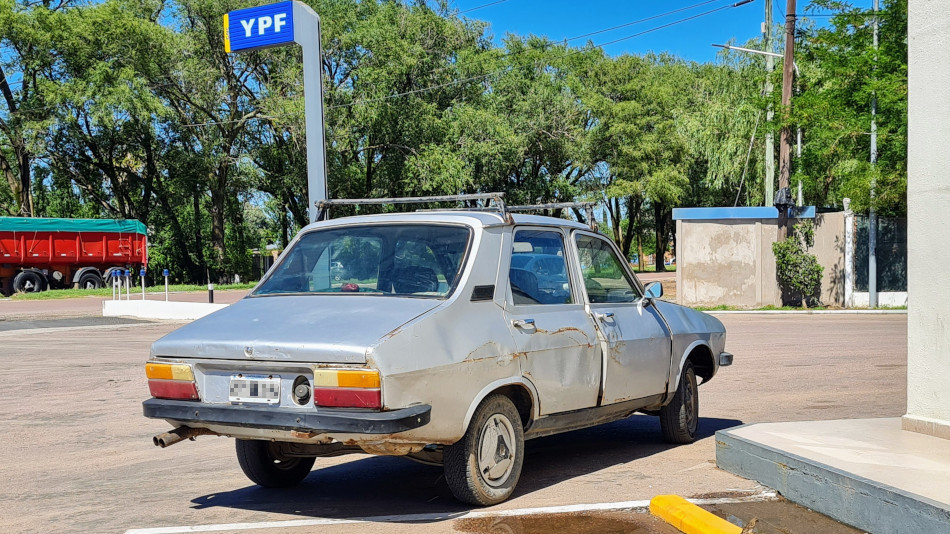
(263, 463)
(90, 281)
(680, 418)
(29, 282)
(484, 466)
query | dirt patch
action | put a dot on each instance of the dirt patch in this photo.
(779, 517)
(573, 523)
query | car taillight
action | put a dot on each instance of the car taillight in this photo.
(171, 381)
(347, 388)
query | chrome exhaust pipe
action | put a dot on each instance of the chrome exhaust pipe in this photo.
(181, 433)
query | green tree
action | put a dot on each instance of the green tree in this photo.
(841, 74)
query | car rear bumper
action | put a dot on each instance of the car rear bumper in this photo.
(265, 417)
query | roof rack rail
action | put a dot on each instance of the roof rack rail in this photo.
(323, 206)
(497, 199)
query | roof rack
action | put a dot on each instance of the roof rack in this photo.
(497, 199)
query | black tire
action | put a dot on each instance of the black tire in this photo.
(679, 419)
(29, 282)
(90, 280)
(262, 462)
(494, 435)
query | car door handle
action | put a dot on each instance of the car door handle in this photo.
(606, 315)
(520, 323)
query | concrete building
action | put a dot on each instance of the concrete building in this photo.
(724, 256)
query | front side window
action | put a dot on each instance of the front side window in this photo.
(538, 273)
(405, 260)
(604, 276)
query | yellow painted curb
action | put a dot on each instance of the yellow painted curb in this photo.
(689, 518)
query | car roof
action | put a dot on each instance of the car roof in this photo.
(478, 219)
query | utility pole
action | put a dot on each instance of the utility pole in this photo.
(872, 215)
(770, 113)
(783, 200)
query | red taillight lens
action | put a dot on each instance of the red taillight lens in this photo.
(173, 389)
(347, 397)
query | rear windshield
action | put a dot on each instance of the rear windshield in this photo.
(405, 260)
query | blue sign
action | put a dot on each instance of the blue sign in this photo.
(259, 27)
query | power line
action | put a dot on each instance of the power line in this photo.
(483, 5)
(672, 23)
(640, 21)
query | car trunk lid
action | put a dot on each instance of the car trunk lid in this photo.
(295, 328)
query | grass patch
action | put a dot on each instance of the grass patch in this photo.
(56, 294)
(763, 308)
(651, 268)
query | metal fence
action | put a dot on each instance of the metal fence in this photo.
(891, 254)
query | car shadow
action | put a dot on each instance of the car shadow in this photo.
(377, 486)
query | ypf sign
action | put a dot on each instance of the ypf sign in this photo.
(280, 24)
(259, 27)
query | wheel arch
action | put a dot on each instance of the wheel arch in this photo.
(521, 392)
(83, 270)
(704, 364)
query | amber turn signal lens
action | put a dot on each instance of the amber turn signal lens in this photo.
(169, 371)
(346, 378)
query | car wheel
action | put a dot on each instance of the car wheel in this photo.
(90, 281)
(680, 418)
(263, 463)
(484, 466)
(28, 282)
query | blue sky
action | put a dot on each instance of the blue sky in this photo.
(691, 39)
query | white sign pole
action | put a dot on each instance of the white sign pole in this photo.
(307, 35)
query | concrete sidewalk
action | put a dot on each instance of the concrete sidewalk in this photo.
(867, 473)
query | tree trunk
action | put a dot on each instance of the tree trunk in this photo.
(662, 237)
(199, 246)
(639, 251)
(26, 195)
(218, 200)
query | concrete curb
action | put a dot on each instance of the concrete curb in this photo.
(854, 500)
(158, 309)
(689, 518)
(807, 312)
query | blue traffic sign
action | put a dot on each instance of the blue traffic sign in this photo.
(259, 27)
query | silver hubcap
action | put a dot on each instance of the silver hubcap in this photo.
(496, 452)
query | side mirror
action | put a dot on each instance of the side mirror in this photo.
(653, 290)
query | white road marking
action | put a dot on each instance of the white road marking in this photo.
(320, 521)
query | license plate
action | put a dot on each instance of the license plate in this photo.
(263, 389)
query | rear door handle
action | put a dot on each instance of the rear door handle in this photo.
(521, 323)
(605, 315)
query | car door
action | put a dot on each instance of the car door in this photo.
(636, 340)
(553, 333)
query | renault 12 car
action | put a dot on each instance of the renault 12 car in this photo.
(454, 337)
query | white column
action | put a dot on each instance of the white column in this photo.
(928, 205)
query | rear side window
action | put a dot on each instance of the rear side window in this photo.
(405, 260)
(538, 272)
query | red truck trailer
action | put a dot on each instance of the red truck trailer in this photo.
(39, 253)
